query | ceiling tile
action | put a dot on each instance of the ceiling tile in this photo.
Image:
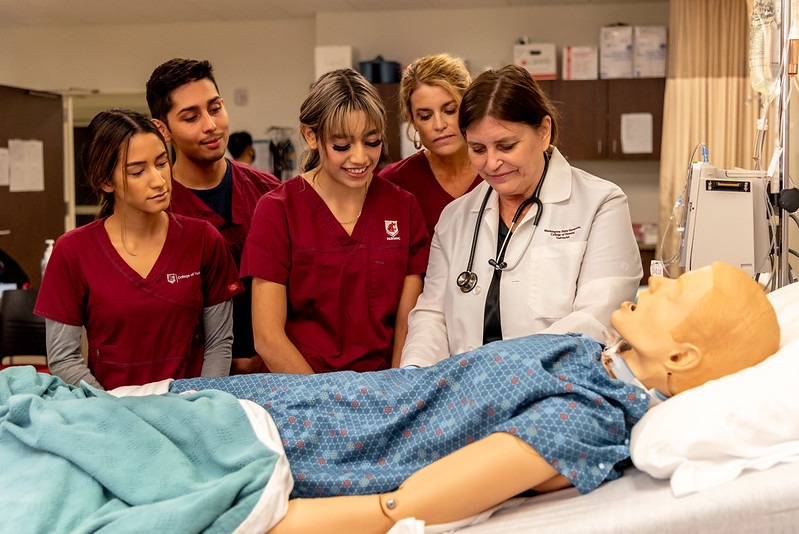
(389, 5)
(460, 4)
(52, 13)
(308, 8)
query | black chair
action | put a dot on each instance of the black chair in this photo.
(21, 332)
(11, 272)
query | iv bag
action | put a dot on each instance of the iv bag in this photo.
(764, 47)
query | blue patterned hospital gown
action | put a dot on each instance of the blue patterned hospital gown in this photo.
(351, 433)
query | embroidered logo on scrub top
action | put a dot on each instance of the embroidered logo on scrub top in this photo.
(392, 231)
(172, 277)
(232, 288)
(564, 233)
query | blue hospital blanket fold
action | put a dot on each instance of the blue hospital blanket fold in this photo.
(76, 459)
(351, 433)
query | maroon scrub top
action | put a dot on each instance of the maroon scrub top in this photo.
(413, 174)
(343, 291)
(249, 185)
(138, 329)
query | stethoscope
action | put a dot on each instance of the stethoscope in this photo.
(467, 280)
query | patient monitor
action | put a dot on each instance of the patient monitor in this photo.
(727, 219)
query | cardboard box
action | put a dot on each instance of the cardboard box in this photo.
(580, 63)
(646, 234)
(649, 51)
(616, 52)
(538, 58)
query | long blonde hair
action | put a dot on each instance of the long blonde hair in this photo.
(440, 70)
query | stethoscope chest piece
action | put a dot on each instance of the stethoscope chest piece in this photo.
(466, 281)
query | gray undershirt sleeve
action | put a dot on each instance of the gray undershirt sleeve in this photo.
(218, 328)
(63, 354)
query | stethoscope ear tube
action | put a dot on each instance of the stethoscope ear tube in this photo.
(499, 262)
(467, 280)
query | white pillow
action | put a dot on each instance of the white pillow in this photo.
(710, 434)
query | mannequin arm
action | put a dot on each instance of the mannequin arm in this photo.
(464, 483)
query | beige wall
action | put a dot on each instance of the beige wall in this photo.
(638, 179)
(273, 61)
(483, 37)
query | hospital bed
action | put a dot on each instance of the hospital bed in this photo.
(726, 455)
(723, 457)
(757, 501)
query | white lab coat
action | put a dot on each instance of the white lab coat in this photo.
(582, 263)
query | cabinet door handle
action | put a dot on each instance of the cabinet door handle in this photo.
(5, 232)
(613, 146)
(599, 146)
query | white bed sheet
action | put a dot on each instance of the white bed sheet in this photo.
(757, 501)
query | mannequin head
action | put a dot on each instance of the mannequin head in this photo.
(706, 324)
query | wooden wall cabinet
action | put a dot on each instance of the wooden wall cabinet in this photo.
(591, 111)
(389, 94)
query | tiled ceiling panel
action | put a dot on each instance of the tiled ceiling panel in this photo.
(53, 13)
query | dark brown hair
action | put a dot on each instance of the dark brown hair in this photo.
(107, 140)
(507, 94)
(169, 76)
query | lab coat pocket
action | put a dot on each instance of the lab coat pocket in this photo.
(553, 281)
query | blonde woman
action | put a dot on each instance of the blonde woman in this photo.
(430, 93)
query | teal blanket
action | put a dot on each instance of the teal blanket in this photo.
(80, 460)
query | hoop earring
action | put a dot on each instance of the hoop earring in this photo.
(417, 142)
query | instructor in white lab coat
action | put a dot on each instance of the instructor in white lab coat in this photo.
(540, 247)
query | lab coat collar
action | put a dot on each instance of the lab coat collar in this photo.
(557, 185)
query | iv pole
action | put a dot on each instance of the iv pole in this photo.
(783, 268)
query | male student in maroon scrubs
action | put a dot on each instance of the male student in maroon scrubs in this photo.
(186, 106)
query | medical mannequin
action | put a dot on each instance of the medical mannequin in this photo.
(682, 333)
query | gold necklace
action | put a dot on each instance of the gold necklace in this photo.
(342, 223)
